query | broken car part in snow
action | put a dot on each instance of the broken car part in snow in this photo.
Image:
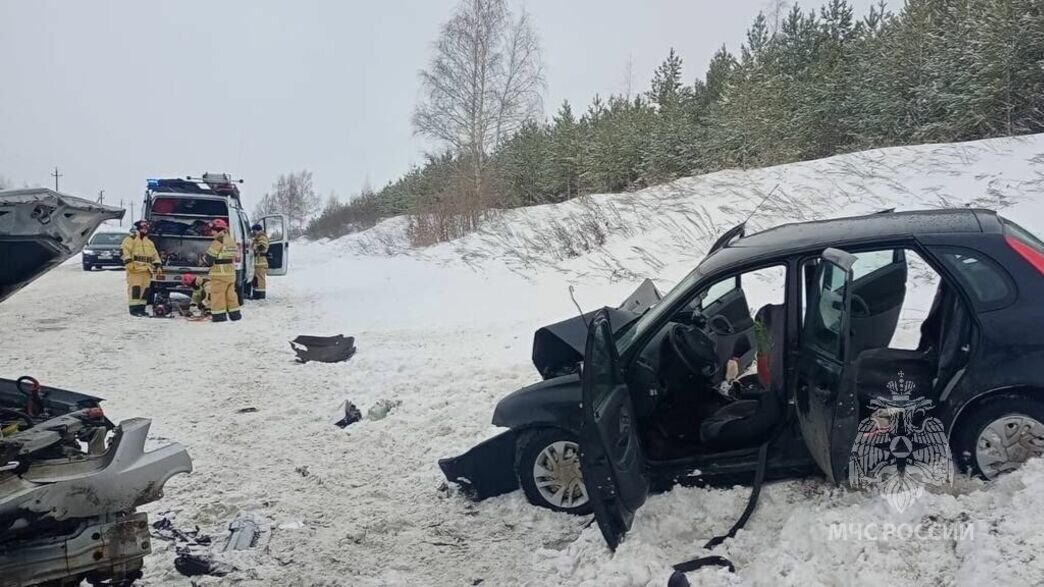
(66, 513)
(381, 409)
(323, 349)
(196, 553)
(346, 414)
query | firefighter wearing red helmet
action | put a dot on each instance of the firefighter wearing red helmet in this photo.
(221, 256)
(142, 261)
(200, 291)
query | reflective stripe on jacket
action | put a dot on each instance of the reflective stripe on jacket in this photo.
(139, 254)
(222, 255)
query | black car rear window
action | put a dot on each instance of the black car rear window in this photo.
(986, 281)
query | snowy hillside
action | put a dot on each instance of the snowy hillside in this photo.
(661, 230)
(447, 331)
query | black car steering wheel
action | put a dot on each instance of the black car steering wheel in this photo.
(694, 349)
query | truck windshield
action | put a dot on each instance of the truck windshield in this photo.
(182, 206)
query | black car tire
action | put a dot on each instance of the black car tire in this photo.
(966, 435)
(87, 267)
(530, 447)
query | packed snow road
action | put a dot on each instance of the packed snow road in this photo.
(367, 505)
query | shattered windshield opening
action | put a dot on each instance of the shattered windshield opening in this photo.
(654, 314)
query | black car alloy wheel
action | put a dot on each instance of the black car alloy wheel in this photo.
(1002, 433)
(548, 466)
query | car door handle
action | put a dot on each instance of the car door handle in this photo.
(821, 392)
(824, 393)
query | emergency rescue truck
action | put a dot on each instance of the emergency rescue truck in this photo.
(179, 212)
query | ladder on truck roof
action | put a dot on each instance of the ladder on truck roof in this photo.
(220, 184)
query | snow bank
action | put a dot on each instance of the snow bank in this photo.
(666, 228)
(447, 330)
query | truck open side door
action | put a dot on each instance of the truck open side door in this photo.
(278, 243)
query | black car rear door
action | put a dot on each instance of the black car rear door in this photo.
(826, 408)
(611, 458)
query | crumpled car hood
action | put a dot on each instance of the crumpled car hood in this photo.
(558, 348)
(40, 229)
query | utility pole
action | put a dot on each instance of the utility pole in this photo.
(56, 175)
(101, 196)
(121, 217)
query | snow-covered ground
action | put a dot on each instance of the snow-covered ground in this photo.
(447, 331)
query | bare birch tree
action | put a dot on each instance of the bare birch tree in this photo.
(293, 196)
(484, 81)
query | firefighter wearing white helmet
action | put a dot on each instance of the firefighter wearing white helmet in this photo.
(142, 261)
(221, 256)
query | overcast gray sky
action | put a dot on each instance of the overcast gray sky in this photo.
(114, 92)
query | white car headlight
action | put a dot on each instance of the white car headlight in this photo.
(88, 251)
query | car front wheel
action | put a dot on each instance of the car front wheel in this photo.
(1000, 435)
(548, 466)
(87, 267)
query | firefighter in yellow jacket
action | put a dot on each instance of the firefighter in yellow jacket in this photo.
(200, 292)
(259, 242)
(142, 260)
(221, 256)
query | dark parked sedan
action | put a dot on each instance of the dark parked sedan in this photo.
(103, 250)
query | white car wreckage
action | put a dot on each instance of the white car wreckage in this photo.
(70, 480)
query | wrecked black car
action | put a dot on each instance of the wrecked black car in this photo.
(693, 389)
(70, 480)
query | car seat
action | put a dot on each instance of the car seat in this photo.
(745, 422)
(945, 334)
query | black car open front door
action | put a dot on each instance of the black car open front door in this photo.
(826, 408)
(611, 458)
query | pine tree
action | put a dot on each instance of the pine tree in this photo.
(1009, 66)
(667, 81)
(564, 157)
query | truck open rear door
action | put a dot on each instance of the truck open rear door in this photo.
(278, 243)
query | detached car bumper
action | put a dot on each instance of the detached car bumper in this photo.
(122, 543)
(487, 470)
